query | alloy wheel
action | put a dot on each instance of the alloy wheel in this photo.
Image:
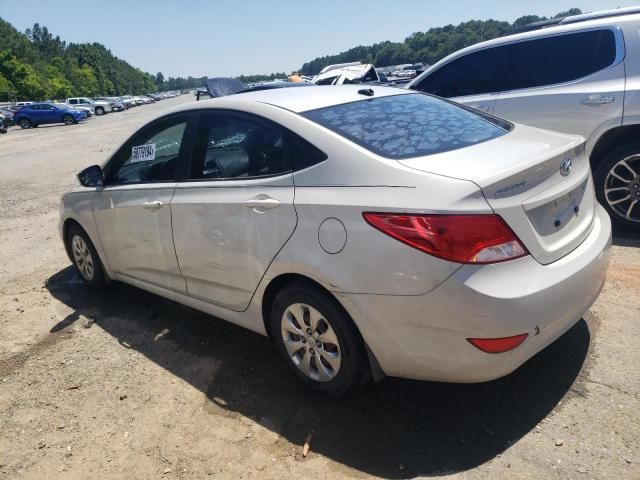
(25, 123)
(311, 342)
(68, 120)
(622, 188)
(82, 257)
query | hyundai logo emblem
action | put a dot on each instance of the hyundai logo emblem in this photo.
(565, 167)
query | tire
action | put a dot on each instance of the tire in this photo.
(25, 123)
(85, 258)
(616, 187)
(333, 369)
(99, 111)
(68, 119)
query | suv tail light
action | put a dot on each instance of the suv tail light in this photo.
(477, 239)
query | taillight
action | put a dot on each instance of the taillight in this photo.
(498, 345)
(477, 239)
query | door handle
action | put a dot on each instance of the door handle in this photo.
(597, 100)
(155, 205)
(261, 203)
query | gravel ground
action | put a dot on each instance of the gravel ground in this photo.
(123, 384)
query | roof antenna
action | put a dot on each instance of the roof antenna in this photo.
(366, 91)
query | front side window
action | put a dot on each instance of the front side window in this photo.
(234, 147)
(408, 125)
(476, 73)
(151, 155)
(561, 58)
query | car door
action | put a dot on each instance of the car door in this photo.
(132, 211)
(473, 79)
(572, 82)
(235, 211)
(51, 114)
(36, 114)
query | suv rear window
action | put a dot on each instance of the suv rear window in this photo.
(409, 125)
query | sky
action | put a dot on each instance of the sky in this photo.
(229, 38)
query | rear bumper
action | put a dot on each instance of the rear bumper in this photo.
(424, 337)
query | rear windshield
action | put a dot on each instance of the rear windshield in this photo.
(410, 125)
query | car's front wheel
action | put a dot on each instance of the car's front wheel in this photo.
(24, 123)
(617, 179)
(85, 257)
(99, 111)
(318, 340)
(68, 120)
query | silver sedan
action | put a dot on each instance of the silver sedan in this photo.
(366, 231)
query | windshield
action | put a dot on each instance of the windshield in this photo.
(411, 125)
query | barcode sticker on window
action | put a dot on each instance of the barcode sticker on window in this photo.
(143, 153)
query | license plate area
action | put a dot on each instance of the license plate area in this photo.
(561, 212)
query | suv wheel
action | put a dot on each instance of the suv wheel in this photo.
(85, 257)
(99, 111)
(24, 123)
(318, 340)
(617, 180)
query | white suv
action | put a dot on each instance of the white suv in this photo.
(580, 76)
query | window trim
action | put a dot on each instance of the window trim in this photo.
(184, 146)
(244, 115)
(619, 58)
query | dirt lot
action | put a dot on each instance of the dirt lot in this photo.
(123, 384)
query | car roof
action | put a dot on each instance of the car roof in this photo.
(298, 99)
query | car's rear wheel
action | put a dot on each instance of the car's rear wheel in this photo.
(68, 120)
(318, 340)
(85, 257)
(617, 180)
(99, 111)
(24, 123)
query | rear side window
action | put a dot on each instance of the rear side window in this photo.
(404, 126)
(561, 58)
(476, 73)
(233, 147)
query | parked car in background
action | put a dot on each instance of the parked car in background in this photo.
(366, 231)
(581, 76)
(7, 117)
(117, 105)
(99, 107)
(42, 113)
(345, 73)
(86, 110)
(128, 101)
(22, 104)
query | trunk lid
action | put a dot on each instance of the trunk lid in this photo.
(538, 181)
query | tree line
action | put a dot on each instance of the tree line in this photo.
(427, 47)
(36, 65)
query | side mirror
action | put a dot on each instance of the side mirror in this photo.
(91, 177)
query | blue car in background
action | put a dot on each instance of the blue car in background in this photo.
(40, 113)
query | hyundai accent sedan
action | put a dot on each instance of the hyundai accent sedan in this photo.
(366, 231)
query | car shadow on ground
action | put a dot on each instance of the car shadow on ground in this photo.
(625, 237)
(393, 429)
